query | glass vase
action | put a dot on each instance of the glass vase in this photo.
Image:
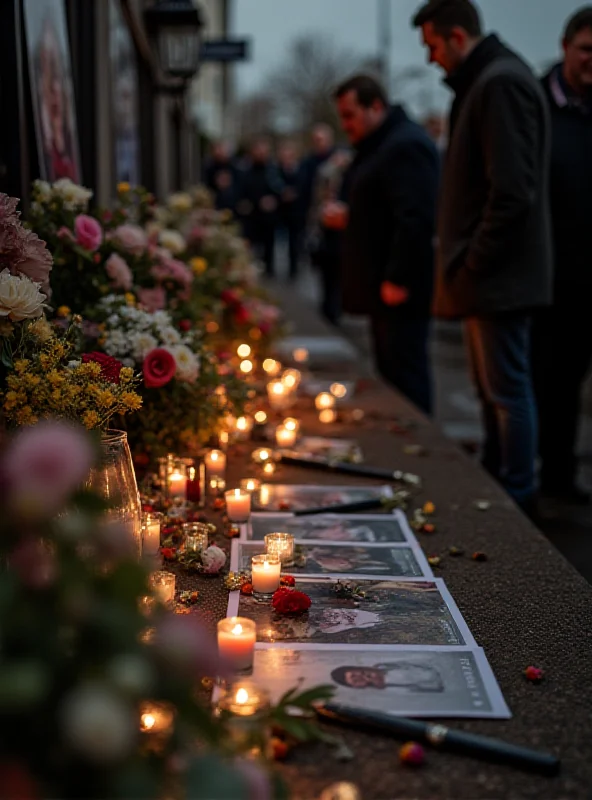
(114, 480)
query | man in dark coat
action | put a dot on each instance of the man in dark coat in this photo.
(258, 206)
(494, 253)
(221, 176)
(291, 216)
(322, 149)
(388, 216)
(562, 335)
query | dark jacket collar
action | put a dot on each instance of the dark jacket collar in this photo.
(561, 95)
(489, 49)
(395, 116)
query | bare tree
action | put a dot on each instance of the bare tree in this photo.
(255, 115)
(303, 84)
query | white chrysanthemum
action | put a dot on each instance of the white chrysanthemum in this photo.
(141, 344)
(42, 190)
(169, 336)
(116, 343)
(161, 319)
(74, 364)
(73, 195)
(173, 241)
(180, 202)
(98, 723)
(20, 298)
(113, 320)
(187, 363)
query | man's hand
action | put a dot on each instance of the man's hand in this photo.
(393, 295)
(335, 216)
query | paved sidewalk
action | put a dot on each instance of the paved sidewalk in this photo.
(457, 409)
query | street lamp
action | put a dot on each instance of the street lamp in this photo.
(176, 26)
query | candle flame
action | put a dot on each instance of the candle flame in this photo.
(290, 424)
(278, 388)
(246, 366)
(238, 629)
(214, 456)
(265, 565)
(176, 476)
(241, 424)
(242, 696)
(243, 350)
(237, 492)
(289, 381)
(148, 721)
(338, 390)
(261, 417)
(251, 486)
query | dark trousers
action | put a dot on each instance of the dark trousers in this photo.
(293, 228)
(328, 266)
(499, 353)
(561, 359)
(262, 238)
(401, 353)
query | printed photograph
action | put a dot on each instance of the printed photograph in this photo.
(318, 558)
(390, 612)
(318, 447)
(283, 497)
(345, 528)
(402, 682)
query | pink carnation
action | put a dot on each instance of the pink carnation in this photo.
(131, 238)
(119, 272)
(152, 299)
(89, 233)
(22, 251)
(44, 464)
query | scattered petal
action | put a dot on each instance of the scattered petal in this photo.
(415, 450)
(429, 527)
(412, 754)
(456, 552)
(534, 674)
(429, 508)
(246, 588)
(480, 556)
(434, 561)
(279, 748)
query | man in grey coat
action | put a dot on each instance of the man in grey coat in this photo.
(494, 252)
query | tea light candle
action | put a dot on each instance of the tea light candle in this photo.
(272, 367)
(215, 461)
(177, 483)
(327, 415)
(266, 571)
(243, 708)
(236, 642)
(338, 390)
(156, 718)
(291, 378)
(280, 544)
(243, 426)
(261, 455)
(300, 355)
(151, 533)
(243, 351)
(324, 400)
(246, 366)
(269, 468)
(250, 485)
(292, 424)
(163, 586)
(278, 395)
(260, 417)
(238, 505)
(196, 536)
(223, 438)
(285, 437)
(216, 485)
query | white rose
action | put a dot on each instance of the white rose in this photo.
(42, 189)
(173, 241)
(20, 298)
(170, 336)
(141, 344)
(72, 194)
(180, 202)
(187, 363)
(98, 723)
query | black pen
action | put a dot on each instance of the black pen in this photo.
(357, 470)
(443, 738)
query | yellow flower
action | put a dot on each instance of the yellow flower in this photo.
(63, 311)
(21, 365)
(41, 330)
(31, 381)
(91, 369)
(25, 416)
(90, 419)
(10, 400)
(131, 400)
(130, 298)
(46, 360)
(198, 265)
(105, 398)
(126, 374)
(54, 378)
(123, 187)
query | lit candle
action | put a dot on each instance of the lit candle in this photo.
(327, 415)
(236, 642)
(324, 400)
(269, 468)
(272, 367)
(278, 395)
(156, 718)
(243, 426)
(151, 533)
(266, 571)
(264, 495)
(216, 485)
(285, 437)
(223, 438)
(215, 461)
(177, 483)
(250, 485)
(300, 355)
(338, 390)
(260, 417)
(163, 586)
(196, 536)
(246, 366)
(291, 378)
(244, 708)
(292, 424)
(238, 505)
(282, 545)
(243, 351)
(195, 483)
(261, 455)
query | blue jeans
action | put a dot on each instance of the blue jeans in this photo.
(499, 350)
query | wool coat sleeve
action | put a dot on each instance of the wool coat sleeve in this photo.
(411, 188)
(511, 139)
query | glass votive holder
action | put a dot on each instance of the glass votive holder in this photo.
(236, 643)
(285, 437)
(281, 545)
(291, 378)
(279, 395)
(324, 400)
(215, 461)
(176, 481)
(238, 505)
(266, 570)
(244, 708)
(151, 523)
(156, 718)
(162, 584)
(253, 486)
(269, 468)
(195, 536)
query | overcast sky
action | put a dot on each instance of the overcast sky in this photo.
(531, 26)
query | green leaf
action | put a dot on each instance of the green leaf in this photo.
(300, 729)
(6, 354)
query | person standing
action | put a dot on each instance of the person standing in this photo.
(221, 176)
(322, 148)
(260, 193)
(562, 334)
(494, 252)
(387, 214)
(291, 215)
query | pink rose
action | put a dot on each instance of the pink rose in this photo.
(119, 272)
(159, 368)
(65, 234)
(89, 233)
(179, 271)
(131, 238)
(43, 465)
(152, 299)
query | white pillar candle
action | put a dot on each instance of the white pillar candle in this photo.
(215, 461)
(151, 534)
(236, 642)
(266, 571)
(285, 437)
(292, 424)
(177, 483)
(238, 505)
(278, 395)
(324, 400)
(163, 586)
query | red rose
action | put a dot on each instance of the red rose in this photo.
(110, 367)
(159, 368)
(229, 297)
(241, 314)
(168, 553)
(290, 601)
(288, 580)
(185, 325)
